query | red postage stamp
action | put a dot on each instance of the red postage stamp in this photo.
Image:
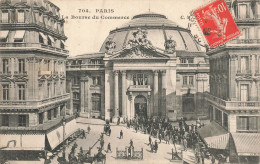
(217, 23)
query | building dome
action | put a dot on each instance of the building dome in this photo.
(159, 29)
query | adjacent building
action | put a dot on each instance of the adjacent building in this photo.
(149, 66)
(234, 99)
(33, 96)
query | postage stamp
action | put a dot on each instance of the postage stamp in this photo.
(216, 23)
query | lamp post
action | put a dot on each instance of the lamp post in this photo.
(63, 146)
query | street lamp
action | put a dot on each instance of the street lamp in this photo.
(63, 120)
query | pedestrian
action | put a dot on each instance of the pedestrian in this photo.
(102, 144)
(89, 129)
(155, 146)
(83, 134)
(109, 147)
(118, 120)
(121, 135)
(160, 137)
(152, 146)
(213, 159)
(185, 144)
(202, 157)
(131, 143)
(150, 140)
(109, 131)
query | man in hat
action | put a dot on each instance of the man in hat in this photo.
(155, 146)
(121, 135)
(109, 147)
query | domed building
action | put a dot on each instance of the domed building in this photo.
(148, 67)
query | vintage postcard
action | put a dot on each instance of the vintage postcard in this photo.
(129, 81)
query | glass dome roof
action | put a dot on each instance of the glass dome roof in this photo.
(159, 29)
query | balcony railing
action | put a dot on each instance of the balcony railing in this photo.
(34, 45)
(139, 88)
(233, 105)
(34, 103)
(192, 65)
(84, 66)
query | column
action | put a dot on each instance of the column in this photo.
(123, 93)
(253, 95)
(58, 111)
(82, 98)
(253, 66)
(71, 97)
(116, 109)
(86, 96)
(155, 92)
(163, 98)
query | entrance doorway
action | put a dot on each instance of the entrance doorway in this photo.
(140, 106)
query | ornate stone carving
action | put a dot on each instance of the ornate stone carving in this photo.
(116, 73)
(140, 38)
(170, 45)
(138, 53)
(110, 45)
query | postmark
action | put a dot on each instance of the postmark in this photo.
(216, 23)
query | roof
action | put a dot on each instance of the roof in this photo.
(212, 129)
(157, 29)
(247, 144)
(149, 19)
(88, 56)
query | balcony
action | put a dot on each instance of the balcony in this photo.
(233, 105)
(32, 46)
(32, 104)
(48, 126)
(144, 88)
(85, 67)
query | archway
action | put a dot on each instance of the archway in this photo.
(140, 105)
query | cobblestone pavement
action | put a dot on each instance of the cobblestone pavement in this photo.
(140, 140)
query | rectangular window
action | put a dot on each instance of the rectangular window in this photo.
(244, 64)
(49, 114)
(185, 80)
(40, 118)
(54, 89)
(55, 113)
(183, 60)
(5, 65)
(5, 120)
(190, 80)
(225, 120)
(20, 16)
(244, 95)
(54, 66)
(40, 17)
(248, 123)
(6, 92)
(48, 90)
(21, 94)
(22, 120)
(242, 11)
(5, 17)
(21, 65)
(218, 116)
(190, 60)
(96, 80)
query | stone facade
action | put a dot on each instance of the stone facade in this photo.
(132, 76)
(33, 64)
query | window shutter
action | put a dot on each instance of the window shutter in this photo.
(27, 120)
(0, 16)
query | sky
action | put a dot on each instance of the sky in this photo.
(87, 35)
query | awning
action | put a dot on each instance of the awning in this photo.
(215, 136)
(3, 34)
(247, 144)
(22, 141)
(19, 34)
(51, 38)
(55, 137)
(43, 36)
